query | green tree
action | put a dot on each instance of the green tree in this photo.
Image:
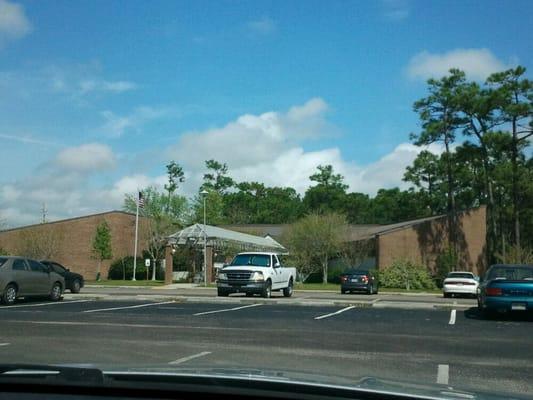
(175, 177)
(328, 194)
(440, 116)
(426, 174)
(515, 105)
(217, 178)
(164, 216)
(101, 246)
(314, 240)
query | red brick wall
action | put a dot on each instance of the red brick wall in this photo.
(75, 240)
(423, 242)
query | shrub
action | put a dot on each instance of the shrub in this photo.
(123, 269)
(406, 275)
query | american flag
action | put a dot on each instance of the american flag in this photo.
(141, 200)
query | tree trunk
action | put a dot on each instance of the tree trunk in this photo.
(325, 271)
(491, 218)
(98, 270)
(514, 162)
(451, 198)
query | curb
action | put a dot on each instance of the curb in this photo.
(377, 303)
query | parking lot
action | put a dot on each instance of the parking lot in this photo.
(452, 347)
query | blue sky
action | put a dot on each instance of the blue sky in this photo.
(97, 96)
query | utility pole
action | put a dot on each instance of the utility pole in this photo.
(43, 214)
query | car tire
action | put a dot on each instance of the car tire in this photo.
(287, 292)
(55, 293)
(222, 293)
(343, 291)
(76, 286)
(370, 290)
(446, 295)
(10, 294)
(267, 290)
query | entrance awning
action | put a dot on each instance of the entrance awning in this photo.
(195, 235)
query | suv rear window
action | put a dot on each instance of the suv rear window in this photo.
(2, 261)
(511, 273)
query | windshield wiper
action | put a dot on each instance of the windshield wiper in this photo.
(55, 372)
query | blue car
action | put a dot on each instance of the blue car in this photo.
(506, 288)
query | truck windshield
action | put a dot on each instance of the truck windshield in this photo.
(257, 260)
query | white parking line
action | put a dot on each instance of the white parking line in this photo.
(452, 317)
(335, 313)
(185, 359)
(54, 303)
(226, 309)
(4, 344)
(443, 374)
(127, 307)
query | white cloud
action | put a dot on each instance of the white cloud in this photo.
(478, 64)
(263, 26)
(13, 22)
(266, 148)
(26, 139)
(95, 85)
(395, 10)
(117, 125)
(86, 158)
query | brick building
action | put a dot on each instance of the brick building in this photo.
(420, 240)
(72, 239)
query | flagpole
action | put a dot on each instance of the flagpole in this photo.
(136, 234)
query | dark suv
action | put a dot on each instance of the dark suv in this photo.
(357, 280)
(73, 281)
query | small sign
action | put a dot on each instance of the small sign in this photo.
(147, 262)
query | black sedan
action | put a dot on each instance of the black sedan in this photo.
(73, 281)
(356, 280)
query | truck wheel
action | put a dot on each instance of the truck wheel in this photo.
(287, 292)
(267, 290)
(222, 293)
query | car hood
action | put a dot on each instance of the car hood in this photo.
(239, 268)
(233, 379)
(302, 379)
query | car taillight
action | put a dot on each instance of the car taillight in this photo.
(494, 291)
(364, 278)
(344, 278)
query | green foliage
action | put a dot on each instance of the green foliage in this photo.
(446, 262)
(516, 255)
(329, 194)
(313, 240)
(405, 274)
(216, 178)
(123, 269)
(101, 246)
(3, 252)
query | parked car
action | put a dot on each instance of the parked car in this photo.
(460, 282)
(23, 277)
(506, 288)
(73, 281)
(357, 280)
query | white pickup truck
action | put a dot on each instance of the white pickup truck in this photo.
(256, 273)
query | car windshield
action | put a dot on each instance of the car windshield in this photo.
(460, 275)
(170, 153)
(511, 273)
(257, 260)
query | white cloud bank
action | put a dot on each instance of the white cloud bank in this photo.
(13, 22)
(267, 148)
(478, 64)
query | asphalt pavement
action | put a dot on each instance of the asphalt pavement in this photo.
(300, 297)
(451, 347)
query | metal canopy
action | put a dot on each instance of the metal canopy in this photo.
(219, 237)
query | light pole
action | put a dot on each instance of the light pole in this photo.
(204, 194)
